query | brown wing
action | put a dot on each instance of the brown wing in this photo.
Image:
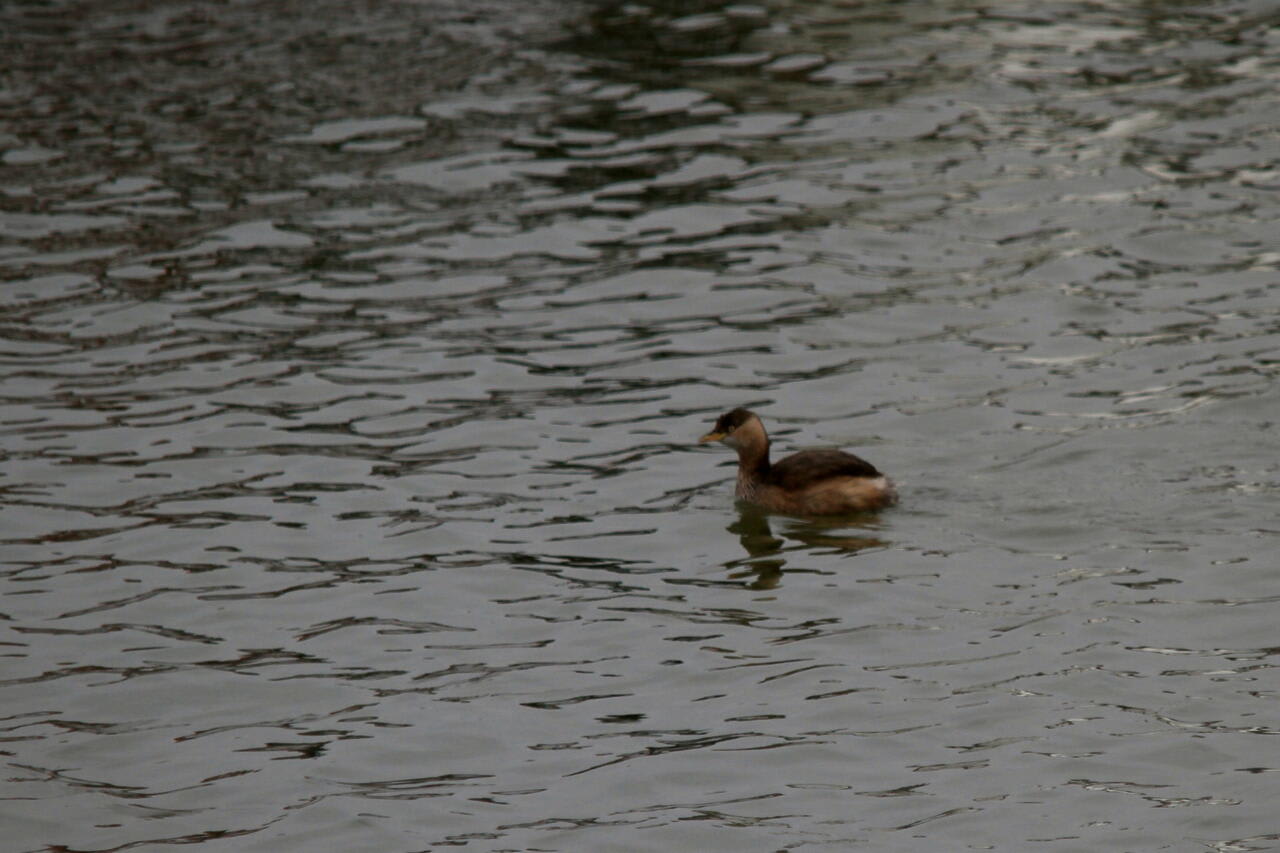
(811, 466)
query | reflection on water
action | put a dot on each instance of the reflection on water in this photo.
(763, 566)
(350, 360)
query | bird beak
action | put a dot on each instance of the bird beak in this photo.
(711, 436)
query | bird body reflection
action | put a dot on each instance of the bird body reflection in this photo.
(766, 559)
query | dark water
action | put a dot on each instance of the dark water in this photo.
(353, 356)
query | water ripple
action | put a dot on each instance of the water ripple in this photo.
(351, 370)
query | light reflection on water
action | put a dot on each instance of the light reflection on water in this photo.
(352, 374)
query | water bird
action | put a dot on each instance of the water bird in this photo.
(811, 482)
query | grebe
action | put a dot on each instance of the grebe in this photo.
(811, 482)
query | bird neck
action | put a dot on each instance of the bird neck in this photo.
(753, 457)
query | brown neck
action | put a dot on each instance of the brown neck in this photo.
(754, 457)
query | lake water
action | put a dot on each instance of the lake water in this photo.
(352, 362)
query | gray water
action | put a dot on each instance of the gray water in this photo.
(353, 358)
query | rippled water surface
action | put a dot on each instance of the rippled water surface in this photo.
(352, 358)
